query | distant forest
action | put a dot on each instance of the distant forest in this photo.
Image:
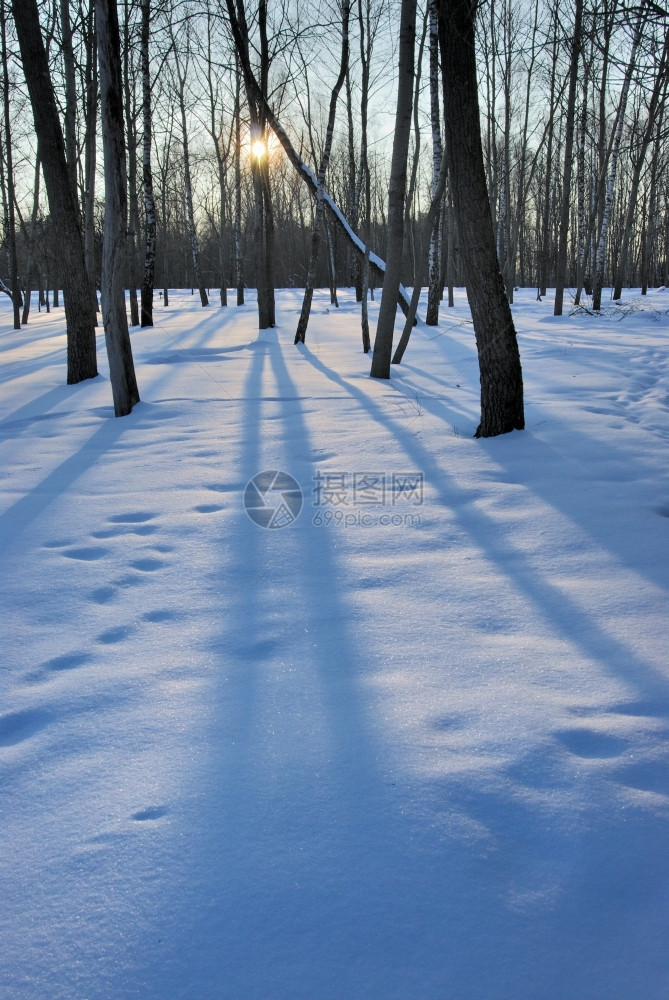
(574, 126)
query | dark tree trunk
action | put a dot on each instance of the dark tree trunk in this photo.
(239, 257)
(10, 227)
(131, 148)
(32, 239)
(121, 367)
(319, 215)
(81, 357)
(561, 266)
(499, 359)
(147, 174)
(383, 342)
(70, 117)
(90, 153)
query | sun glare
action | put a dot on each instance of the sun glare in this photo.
(259, 149)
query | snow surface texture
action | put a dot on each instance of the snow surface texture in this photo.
(394, 750)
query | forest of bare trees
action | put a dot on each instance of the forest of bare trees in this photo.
(260, 143)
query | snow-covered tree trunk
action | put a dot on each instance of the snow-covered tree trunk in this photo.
(305, 173)
(119, 351)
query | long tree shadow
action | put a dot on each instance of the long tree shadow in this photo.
(568, 619)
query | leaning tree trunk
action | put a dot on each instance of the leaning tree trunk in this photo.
(80, 316)
(383, 342)
(240, 34)
(121, 367)
(499, 359)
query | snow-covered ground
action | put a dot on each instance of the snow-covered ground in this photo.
(410, 746)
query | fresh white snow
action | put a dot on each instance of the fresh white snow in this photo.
(394, 750)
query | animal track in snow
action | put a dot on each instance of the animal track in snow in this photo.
(148, 564)
(15, 727)
(590, 744)
(159, 616)
(89, 554)
(133, 518)
(153, 812)
(113, 635)
(69, 661)
(103, 595)
(207, 508)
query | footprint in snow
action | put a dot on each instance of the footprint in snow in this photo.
(90, 554)
(103, 595)
(153, 812)
(113, 635)
(158, 616)
(590, 744)
(15, 727)
(148, 565)
(133, 518)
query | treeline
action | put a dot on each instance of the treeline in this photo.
(596, 149)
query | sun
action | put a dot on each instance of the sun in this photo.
(259, 149)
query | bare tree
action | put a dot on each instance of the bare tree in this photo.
(8, 189)
(319, 215)
(499, 360)
(121, 367)
(568, 159)
(181, 63)
(383, 342)
(146, 318)
(80, 315)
